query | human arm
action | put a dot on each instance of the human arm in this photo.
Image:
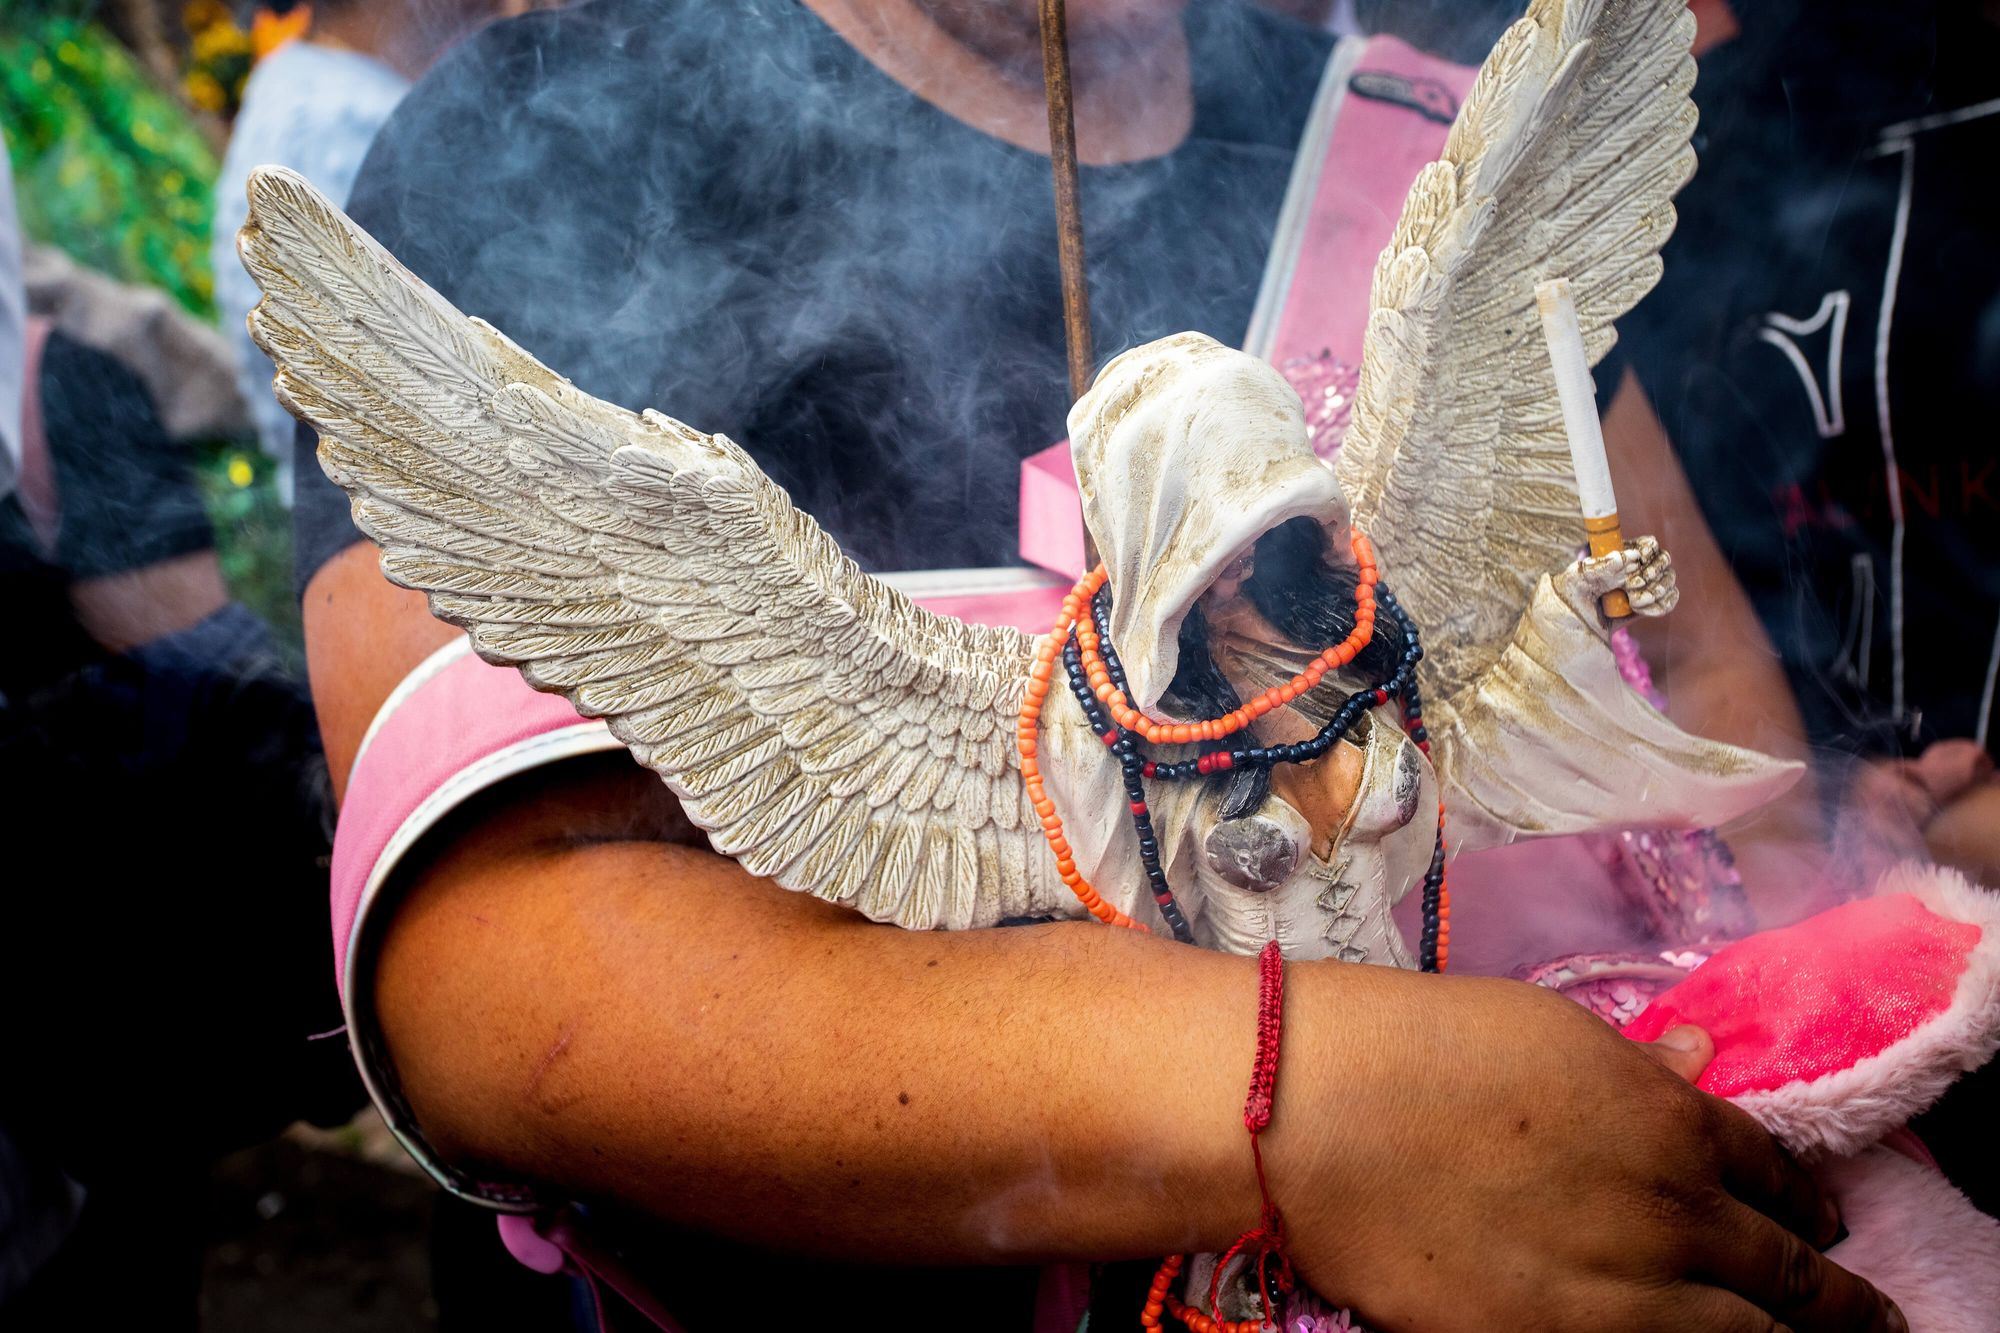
(1714, 662)
(571, 994)
(1944, 805)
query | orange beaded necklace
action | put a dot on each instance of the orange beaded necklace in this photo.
(1074, 618)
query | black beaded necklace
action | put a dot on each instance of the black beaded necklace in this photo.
(1137, 768)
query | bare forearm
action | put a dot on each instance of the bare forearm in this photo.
(722, 1053)
(574, 993)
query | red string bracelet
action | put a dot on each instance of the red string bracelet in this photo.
(1263, 1244)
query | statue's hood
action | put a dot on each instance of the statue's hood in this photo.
(1186, 453)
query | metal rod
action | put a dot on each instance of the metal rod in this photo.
(1069, 215)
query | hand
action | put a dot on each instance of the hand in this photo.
(1938, 806)
(1510, 1162)
(1642, 568)
(1966, 833)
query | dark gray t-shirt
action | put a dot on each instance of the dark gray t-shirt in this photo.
(726, 213)
(723, 212)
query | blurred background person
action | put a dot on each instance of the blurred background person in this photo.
(1824, 353)
(313, 105)
(151, 720)
(160, 769)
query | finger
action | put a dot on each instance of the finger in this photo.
(1653, 601)
(1685, 1050)
(1779, 1273)
(1948, 767)
(1648, 548)
(1603, 574)
(1712, 1308)
(1759, 1172)
(1656, 601)
(1896, 787)
(1650, 572)
(1603, 566)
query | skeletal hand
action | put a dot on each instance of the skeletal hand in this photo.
(1642, 568)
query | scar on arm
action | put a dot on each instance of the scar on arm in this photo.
(544, 1065)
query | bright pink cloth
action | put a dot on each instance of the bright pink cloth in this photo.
(1052, 514)
(1800, 1003)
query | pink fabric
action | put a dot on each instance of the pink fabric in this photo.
(1905, 1142)
(1031, 609)
(466, 712)
(1062, 1298)
(1052, 514)
(530, 1248)
(1798, 1004)
(36, 487)
(1917, 1240)
(1376, 151)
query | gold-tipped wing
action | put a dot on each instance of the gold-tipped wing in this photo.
(1563, 161)
(826, 731)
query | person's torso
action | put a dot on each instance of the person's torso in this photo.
(1825, 353)
(727, 214)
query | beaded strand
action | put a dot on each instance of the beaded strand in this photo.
(1159, 1300)
(1098, 681)
(1026, 744)
(1215, 729)
(1130, 763)
(1096, 700)
(1042, 671)
(1343, 720)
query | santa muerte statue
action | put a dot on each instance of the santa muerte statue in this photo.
(1286, 693)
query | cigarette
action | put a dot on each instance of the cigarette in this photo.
(1578, 396)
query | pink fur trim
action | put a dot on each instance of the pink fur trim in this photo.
(1843, 1112)
(1920, 1241)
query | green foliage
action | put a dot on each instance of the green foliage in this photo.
(253, 536)
(106, 166)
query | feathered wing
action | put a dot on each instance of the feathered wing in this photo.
(1563, 162)
(827, 732)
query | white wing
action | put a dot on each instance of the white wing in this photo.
(827, 732)
(1563, 162)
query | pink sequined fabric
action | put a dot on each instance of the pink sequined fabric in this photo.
(1683, 883)
(1614, 986)
(1326, 386)
(1305, 1314)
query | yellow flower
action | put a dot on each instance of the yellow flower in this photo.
(241, 474)
(204, 91)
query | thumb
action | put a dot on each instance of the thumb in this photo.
(1686, 1050)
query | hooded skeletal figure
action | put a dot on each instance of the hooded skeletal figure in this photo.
(1225, 539)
